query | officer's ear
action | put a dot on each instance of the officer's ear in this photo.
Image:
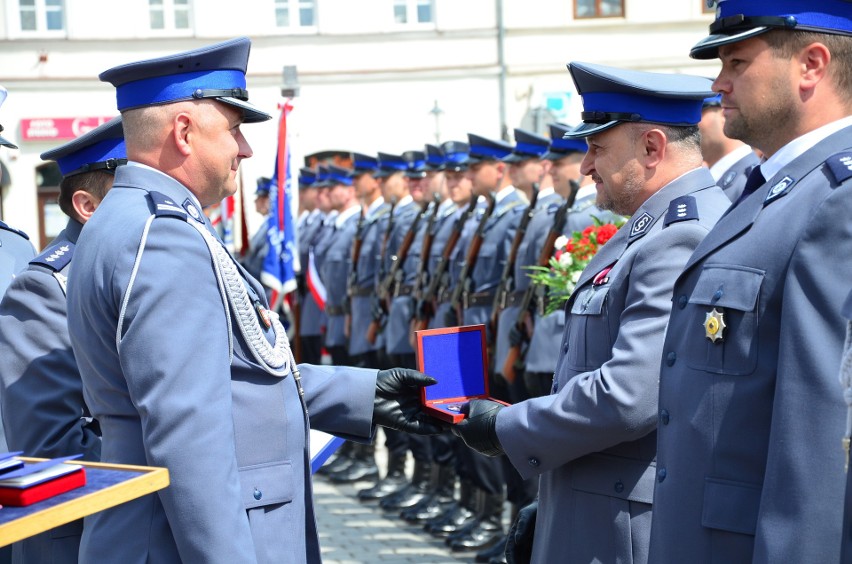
(84, 204)
(652, 147)
(813, 64)
(182, 131)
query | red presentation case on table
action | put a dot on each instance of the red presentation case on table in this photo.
(457, 357)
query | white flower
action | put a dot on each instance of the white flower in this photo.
(560, 242)
(566, 259)
(576, 276)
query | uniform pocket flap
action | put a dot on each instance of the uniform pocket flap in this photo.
(488, 250)
(615, 476)
(730, 286)
(266, 484)
(590, 300)
(730, 506)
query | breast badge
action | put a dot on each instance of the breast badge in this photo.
(714, 325)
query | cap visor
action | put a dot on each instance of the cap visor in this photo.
(250, 113)
(6, 143)
(708, 48)
(512, 158)
(586, 129)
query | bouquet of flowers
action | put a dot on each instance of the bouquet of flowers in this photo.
(570, 257)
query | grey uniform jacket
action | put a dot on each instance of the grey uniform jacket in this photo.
(749, 440)
(592, 441)
(846, 375)
(372, 233)
(152, 340)
(336, 254)
(313, 319)
(258, 249)
(442, 229)
(44, 413)
(733, 181)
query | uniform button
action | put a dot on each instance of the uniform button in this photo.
(534, 462)
(671, 358)
(619, 487)
(565, 348)
(661, 474)
(718, 294)
(257, 494)
(682, 301)
(664, 417)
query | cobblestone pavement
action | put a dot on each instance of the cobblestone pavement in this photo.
(352, 532)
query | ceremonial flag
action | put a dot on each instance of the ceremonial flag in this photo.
(282, 260)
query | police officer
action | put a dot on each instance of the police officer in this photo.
(756, 334)
(259, 244)
(336, 251)
(592, 441)
(15, 248)
(312, 318)
(730, 160)
(182, 362)
(846, 384)
(40, 386)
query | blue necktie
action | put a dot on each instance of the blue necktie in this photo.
(754, 181)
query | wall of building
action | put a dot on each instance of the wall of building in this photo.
(367, 84)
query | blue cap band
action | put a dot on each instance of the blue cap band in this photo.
(96, 153)
(171, 88)
(479, 151)
(654, 109)
(818, 15)
(530, 149)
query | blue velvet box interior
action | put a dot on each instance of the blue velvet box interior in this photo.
(456, 358)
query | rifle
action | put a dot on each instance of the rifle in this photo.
(471, 257)
(507, 280)
(389, 286)
(515, 357)
(379, 311)
(426, 306)
(425, 249)
(353, 274)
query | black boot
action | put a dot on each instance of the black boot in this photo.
(363, 466)
(460, 516)
(496, 553)
(441, 497)
(342, 459)
(414, 492)
(488, 531)
(393, 481)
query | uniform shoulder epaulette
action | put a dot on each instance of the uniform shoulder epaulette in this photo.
(166, 207)
(55, 257)
(552, 208)
(840, 166)
(681, 209)
(6, 227)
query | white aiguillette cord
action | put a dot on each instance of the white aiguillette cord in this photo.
(846, 383)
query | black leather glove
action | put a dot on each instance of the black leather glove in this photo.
(397, 404)
(479, 428)
(520, 541)
(451, 318)
(517, 337)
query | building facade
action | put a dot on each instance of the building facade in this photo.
(374, 75)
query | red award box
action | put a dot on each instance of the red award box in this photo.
(457, 357)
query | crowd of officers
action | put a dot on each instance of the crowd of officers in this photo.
(438, 238)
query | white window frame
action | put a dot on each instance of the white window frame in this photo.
(169, 10)
(411, 14)
(294, 8)
(13, 17)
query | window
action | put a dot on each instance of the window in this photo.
(168, 14)
(295, 13)
(598, 8)
(39, 16)
(412, 11)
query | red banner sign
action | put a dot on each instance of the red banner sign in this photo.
(58, 129)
